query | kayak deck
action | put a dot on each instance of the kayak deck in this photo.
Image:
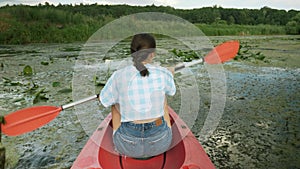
(185, 153)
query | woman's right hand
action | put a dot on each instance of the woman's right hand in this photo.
(171, 69)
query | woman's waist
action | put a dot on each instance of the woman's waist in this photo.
(144, 124)
(146, 120)
(140, 117)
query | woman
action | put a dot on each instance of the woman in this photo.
(137, 96)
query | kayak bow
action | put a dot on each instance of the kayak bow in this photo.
(186, 152)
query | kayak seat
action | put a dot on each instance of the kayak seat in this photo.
(111, 160)
(156, 162)
(145, 158)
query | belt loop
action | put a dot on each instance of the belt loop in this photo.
(159, 122)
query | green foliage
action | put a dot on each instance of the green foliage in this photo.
(66, 90)
(45, 63)
(245, 53)
(9, 82)
(185, 56)
(55, 84)
(293, 26)
(22, 24)
(224, 29)
(2, 121)
(41, 24)
(27, 71)
(40, 96)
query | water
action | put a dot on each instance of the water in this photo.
(259, 127)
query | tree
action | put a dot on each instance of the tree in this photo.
(230, 20)
(293, 26)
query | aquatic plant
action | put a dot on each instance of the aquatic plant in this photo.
(55, 84)
(71, 49)
(40, 96)
(44, 63)
(103, 77)
(185, 56)
(246, 53)
(66, 90)
(9, 82)
(28, 71)
(32, 89)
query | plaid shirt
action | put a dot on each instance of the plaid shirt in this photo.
(139, 97)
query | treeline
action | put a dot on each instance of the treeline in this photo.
(21, 24)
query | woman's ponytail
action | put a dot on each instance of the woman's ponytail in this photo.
(142, 45)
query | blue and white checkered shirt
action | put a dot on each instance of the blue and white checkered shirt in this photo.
(139, 97)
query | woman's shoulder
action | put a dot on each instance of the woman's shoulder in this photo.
(155, 67)
(125, 70)
(159, 69)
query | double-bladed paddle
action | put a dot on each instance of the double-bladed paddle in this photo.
(28, 119)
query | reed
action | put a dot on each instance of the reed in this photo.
(224, 29)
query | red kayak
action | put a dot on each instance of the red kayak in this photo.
(185, 153)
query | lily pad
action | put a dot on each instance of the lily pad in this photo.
(55, 84)
(27, 71)
(67, 90)
(185, 56)
(45, 63)
(246, 53)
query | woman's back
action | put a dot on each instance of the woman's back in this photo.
(141, 97)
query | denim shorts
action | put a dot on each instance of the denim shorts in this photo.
(142, 140)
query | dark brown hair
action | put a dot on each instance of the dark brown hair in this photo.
(141, 46)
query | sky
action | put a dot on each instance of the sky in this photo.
(180, 4)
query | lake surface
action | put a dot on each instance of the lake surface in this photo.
(258, 128)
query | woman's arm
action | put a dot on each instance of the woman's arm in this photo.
(116, 116)
(166, 115)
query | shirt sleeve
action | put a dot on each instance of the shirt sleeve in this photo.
(109, 95)
(170, 84)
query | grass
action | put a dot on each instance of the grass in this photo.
(224, 29)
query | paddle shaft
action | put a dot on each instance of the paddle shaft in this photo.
(28, 119)
(188, 64)
(80, 101)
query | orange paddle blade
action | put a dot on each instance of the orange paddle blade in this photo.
(28, 119)
(223, 52)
